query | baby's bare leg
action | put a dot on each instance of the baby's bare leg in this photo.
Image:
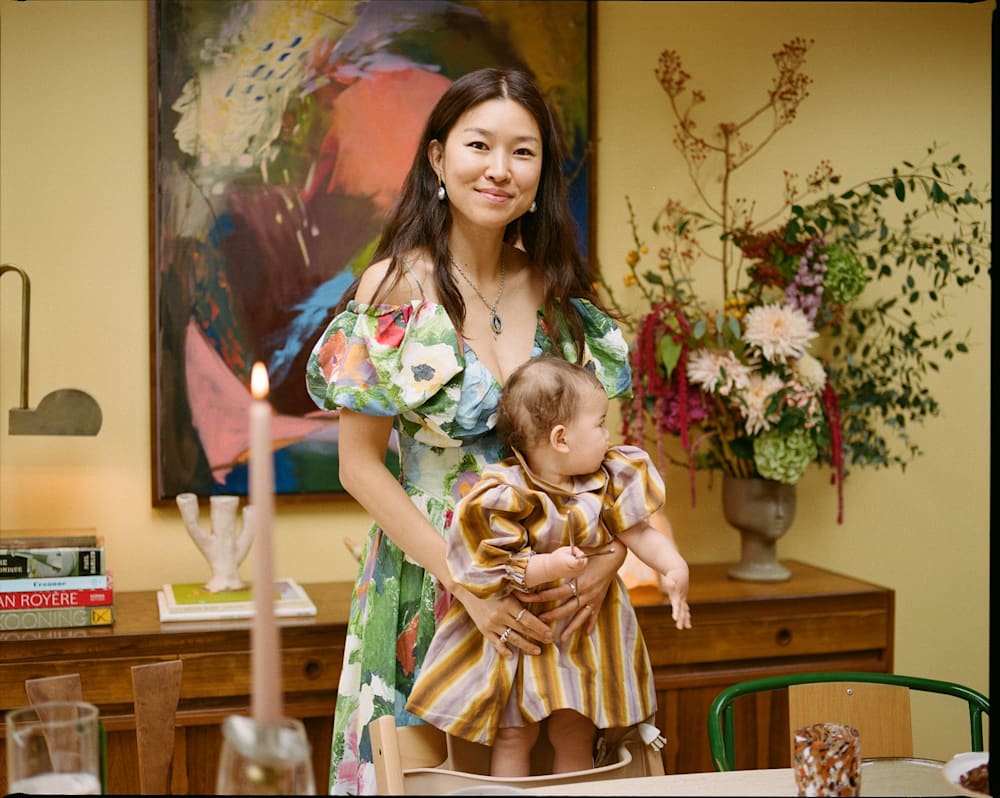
(572, 738)
(512, 750)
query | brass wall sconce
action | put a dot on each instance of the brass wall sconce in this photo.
(66, 411)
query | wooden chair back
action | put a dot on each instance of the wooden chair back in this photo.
(880, 712)
(54, 688)
(66, 687)
(877, 704)
(156, 690)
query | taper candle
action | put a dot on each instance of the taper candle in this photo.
(266, 638)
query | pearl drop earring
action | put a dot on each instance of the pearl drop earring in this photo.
(441, 192)
(533, 207)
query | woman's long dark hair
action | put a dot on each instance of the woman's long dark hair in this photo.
(548, 236)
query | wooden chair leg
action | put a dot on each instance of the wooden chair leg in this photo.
(156, 689)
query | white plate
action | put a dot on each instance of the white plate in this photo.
(959, 765)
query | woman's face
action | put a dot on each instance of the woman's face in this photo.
(490, 163)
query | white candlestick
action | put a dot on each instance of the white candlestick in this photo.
(265, 635)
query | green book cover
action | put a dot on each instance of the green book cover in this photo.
(192, 601)
(189, 593)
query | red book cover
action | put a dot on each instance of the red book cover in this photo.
(55, 599)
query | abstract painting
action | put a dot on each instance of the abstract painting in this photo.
(280, 133)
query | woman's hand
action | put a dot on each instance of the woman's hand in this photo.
(583, 596)
(506, 622)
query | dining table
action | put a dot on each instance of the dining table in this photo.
(879, 777)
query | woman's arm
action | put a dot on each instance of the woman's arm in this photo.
(368, 480)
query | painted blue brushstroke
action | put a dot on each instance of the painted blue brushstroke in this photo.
(311, 317)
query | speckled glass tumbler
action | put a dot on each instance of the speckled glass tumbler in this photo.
(827, 760)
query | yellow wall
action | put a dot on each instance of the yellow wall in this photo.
(890, 78)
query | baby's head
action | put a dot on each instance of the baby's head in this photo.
(550, 402)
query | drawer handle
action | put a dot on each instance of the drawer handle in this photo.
(313, 669)
(783, 637)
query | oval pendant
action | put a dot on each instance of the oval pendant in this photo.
(497, 324)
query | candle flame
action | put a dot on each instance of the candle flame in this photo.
(258, 381)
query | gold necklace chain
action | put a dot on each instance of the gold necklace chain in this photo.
(495, 321)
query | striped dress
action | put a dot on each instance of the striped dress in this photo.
(464, 686)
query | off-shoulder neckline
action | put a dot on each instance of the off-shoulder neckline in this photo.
(383, 308)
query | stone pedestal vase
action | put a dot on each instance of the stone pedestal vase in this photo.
(762, 510)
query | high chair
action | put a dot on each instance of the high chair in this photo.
(423, 760)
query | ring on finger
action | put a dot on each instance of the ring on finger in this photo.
(589, 608)
(523, 610)
(572, 586)
(505, 635)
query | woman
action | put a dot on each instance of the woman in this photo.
(476, 271)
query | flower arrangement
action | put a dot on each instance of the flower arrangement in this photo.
(804, 359)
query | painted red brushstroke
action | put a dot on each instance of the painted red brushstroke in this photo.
(382, 113)
(220, 407)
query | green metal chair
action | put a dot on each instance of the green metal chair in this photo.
(721, 724)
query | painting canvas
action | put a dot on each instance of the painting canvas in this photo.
(280, 132)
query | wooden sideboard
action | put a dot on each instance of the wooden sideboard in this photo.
(816, 620)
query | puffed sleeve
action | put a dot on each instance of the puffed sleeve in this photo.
(384, 359)
(488, 545)
(605, 350)
(635, 488)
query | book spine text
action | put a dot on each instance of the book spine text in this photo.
(55, 583)
(61, 618)
(54, 599)
(42, 563)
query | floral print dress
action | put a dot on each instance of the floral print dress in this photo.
(409, 362)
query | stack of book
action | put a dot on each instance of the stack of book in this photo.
(54, 582)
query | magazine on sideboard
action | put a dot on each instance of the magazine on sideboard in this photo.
(192, 602)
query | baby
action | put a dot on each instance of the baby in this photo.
(535, 519)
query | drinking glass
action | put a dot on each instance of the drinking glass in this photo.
(827, 759)
(53, 749)
(264, 759)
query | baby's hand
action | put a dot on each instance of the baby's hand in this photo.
(675, 584)
(566, 561)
